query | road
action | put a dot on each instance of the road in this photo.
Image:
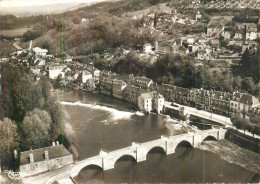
(17, 46)
(211, 116)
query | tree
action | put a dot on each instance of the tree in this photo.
(15, 94)
(57, 117)
(9, 136)
(248, 84)
(36, 128)
(9, 141)
(237, 83)
(254, 130)
(57, 82)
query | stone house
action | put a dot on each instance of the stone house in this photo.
(55, 70)
(44, 159)
(147, 48)
(214, 29)
(141, 82)
(158, 102)
(145, 102)
(131, 93)
(118, 87)
(86, 75)
(226, 34)
(40, 52)
(247, 102)
(151, 101)
(106, 86)
(239, 34)
(234, 103)
(219, 102)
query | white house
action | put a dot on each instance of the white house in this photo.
(147, 48)
(151, 101)
(251, 35)
(86, 75)
(145, 102)
(55, 70)
(158, 103)
(190, 39)
(40, 52)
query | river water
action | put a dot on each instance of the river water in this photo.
(111, 124)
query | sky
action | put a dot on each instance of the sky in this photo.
(19, 3)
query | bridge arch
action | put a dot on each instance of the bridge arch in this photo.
(77, 168)
(209, 138)
(125, 157)
(160, 148)
(184, 143)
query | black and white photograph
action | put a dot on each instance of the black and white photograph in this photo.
(129, 91)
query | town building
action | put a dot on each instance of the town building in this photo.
(40, 52)
(44, 159)
(55, 70)
(151, 101)
(86, 75)
(247, 102)
(145, 102)
(131, 93)
(158, 102)
(118, 87)
(147, 48)
(141, 82)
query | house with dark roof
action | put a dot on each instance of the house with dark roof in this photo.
(141, 82)
(247, 102)
(44, 159)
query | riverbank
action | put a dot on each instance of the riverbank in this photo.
(234, 154)
(243, 140)
(177, 127)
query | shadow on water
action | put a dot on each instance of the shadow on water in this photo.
(183, 149)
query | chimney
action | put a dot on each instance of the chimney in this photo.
(57, 143)
(31, 158)
(53, 143)
(46, 154)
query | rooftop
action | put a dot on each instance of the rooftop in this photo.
(38, 154)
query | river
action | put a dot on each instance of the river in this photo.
(111, 124)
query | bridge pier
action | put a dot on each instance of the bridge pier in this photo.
(108, 163)
(106, 160)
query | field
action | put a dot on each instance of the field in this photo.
(13, 32)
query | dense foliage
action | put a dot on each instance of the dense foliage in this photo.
(32, 117)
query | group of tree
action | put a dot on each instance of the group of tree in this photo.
(250, 65)
(30, 116)
(246, 124)
(182, 71)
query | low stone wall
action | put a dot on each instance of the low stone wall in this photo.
(243, 140)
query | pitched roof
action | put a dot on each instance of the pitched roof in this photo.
(144, 79)
(147, 95)
(38, 154)
(248, 99)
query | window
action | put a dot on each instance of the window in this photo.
(232, 104)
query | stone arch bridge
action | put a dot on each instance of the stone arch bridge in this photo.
(106, 160)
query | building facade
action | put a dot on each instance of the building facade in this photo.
(44, 159)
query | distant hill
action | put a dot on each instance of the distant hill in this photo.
(42, 10)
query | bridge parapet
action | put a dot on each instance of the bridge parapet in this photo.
(106, 160)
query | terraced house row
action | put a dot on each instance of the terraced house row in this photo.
(213, 101)
(143, 93)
